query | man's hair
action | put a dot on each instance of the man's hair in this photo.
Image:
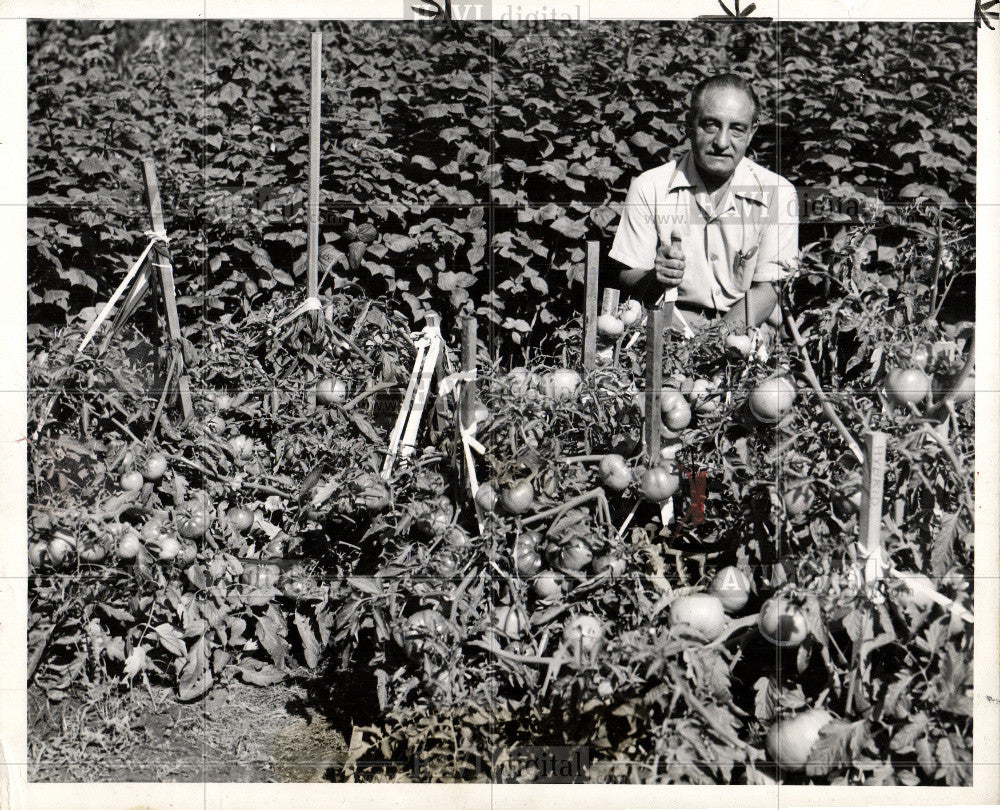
(724, 81)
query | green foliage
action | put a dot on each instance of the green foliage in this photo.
(482, 163)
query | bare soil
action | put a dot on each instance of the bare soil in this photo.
(239, 733)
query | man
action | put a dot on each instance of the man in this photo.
(714, 224)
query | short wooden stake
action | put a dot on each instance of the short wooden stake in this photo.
(609, 303)
(870, 518)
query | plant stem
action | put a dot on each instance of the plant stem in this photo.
(824, 401)
(382, 386)
(265, 488)
(577, 501)
(938, 258)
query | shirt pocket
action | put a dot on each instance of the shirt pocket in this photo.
(745, 266)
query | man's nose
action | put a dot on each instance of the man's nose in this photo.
(721, 139)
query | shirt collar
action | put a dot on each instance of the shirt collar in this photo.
(745, 183)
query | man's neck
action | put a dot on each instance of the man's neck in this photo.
(717, 188)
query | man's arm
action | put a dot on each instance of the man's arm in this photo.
(762, 297)
(668, 271)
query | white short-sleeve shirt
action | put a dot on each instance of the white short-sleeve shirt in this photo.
(752, 237)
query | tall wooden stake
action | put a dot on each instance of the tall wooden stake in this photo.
(654, 380)
(468, 364)
(315, 89)
(162, 261)
(590, 309)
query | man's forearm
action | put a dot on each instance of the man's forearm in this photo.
(762, 298)
(641, 284)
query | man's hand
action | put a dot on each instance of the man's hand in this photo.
(667, 272)
(669, 263)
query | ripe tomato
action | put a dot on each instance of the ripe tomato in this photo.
(847, 496)
(782, 623)
(188, 553)
(700, 396)
(907, 385)
(561, 383)
(422, 625)
(36, 553)
(153, 530)
(798, 499)
(963, 393)
(675, 409)
(630, 312)
(521, 381)
(549, 585)
(575, 555)
(193, 519)
(265, 575)
(446, 563)
(92, 551)
(584, 633)
(510, 620)
(790, 741)
(242, 446)
(700, 612)
(240, 518)
(294, 587)
(169, 548)
(129, 546)
(611, 563)
(526, 557)
(59, 550)
(331, 391)
(610, 326)
(772, 399)
(739, 345)
(732, 587)
(528, 562)
(658, 483)
(486, 497)
(156, 466)
(132, 482)
(517, 498)
(615, 473)
(921, 356)
(61, 546)
(457, 537)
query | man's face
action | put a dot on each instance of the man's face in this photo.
(721, 132)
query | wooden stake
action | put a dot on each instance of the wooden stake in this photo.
(590, 308)
(162, 261)
(315, 88)
(468, 364)
(609, 303)
(870, 518)
(654, 379)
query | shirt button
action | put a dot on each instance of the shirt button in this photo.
(715, 257)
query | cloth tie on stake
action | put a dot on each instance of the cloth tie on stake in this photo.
(140, 288)
(311, 304)
(404, 434)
